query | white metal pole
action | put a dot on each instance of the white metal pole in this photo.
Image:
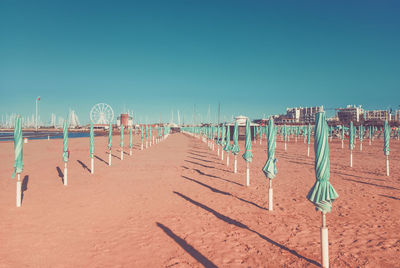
(285, 145)
(247, 174)
(351, 158)
(222, 153)
(342, 144)
(218, 150)
(92, 165)
(122, 153)
(109, 158)
(270, 197)
(308, 150)
(361, 146)
(130, 151)
(65, 174)
(324, 243)
(19, 186)
(235, 167)
(387, 165)
(141, 147)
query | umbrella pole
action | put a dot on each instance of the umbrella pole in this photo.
(308, 150)
(218, 150)
(324, 242)
(270, 196)
(213, 146)
(19, 184)
(360, 145)
(222, 154)
(130, 151)
(285, 145)
(92, 164)
(227, 159)
(65, 174)
(370, 141)
(295, 139)
(387, 165)
(247, 174)
(342, 144)
(141, 147)
(235, 167)
(351, 158)
(122, 153)
(109, 158)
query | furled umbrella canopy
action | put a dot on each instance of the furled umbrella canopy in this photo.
(65, 142)
(122, 136)
(91, 148)
(222, 141)
(270, 166)
(351, 136)
(248, 156)
(228, 147)
(110, 137)
(130, 139)
(386, 136)
(322, 194)
(18, 163)
(235, 148)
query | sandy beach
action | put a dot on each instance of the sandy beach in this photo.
(176, 204)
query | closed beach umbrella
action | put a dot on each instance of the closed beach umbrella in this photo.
(285, 134)
(150, 134)
(386, 133)
(248, 156)
(222, 141)
(342, 136)
(322, 194)
(65, 151)
(228, 147)
(308, 139)
(147, 136)
(361, 134)
(18, 163)
(370, 134)
(109, 143)
(91, 148)
(130, 141)
(270, 166)
(141, 137)
(351, 142)
(218, 138)
(235, 148)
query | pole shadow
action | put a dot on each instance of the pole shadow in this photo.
(60, 174)
(373, 184)
(95, 156)
(243, 226)
(388, 196)
(202, 165)
(83, 165)
(208, 161)
(24, 186)
(215, 190)
(216, 177)
(187, 247)
(113, 155)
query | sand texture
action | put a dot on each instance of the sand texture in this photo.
(176, 204)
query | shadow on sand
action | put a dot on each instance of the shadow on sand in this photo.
(187, 247)
(100, 159)
(243, 226)
(60, 174)
(24, 186)
(216, 177)
(83, 165)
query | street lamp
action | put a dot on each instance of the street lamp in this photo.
(37, 99)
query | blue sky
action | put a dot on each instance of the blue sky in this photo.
(255, 57)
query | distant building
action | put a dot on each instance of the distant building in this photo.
(125, 120)
(377, 115)
(301, 114)
(397, 116)
(350, 113)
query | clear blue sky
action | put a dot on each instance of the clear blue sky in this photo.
(255, 57)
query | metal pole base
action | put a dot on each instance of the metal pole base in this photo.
(92, 165)
(65, 175)
(19, 187)
(247, 175)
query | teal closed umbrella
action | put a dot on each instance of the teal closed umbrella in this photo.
(342, 136)
(322, 194)
(361, 135)
(222, 141)
(270, 166)
(91, 148)
(248, 156)
(141, 136)
(370, 134)
(386, 150)
(130, 141)
(150, 135)
(218, 138)
(285, 134)
(122, 142)
(18, 163)
(228, 147)
(308, 139)
(147, 136)
(235, 148)
(109, 143)
(351, 142)
(65, 152)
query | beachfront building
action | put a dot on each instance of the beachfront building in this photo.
(397, 116)
(377, 115)
(350, 113)
(301, 114)
(125, 119)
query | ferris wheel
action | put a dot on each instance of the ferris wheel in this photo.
(101, 113)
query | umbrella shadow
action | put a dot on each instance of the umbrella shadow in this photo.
(60, 174)
(113, 155)
(215, 190)
(187, 247)
(95, 156)
(202, 165)
(373, 184)
(208, 161)
(83, 165)
(391, 197)
(24, 186)
(350, 175)
(243, 226)
(216, 177)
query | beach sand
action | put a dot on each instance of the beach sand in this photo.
(177, 204)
